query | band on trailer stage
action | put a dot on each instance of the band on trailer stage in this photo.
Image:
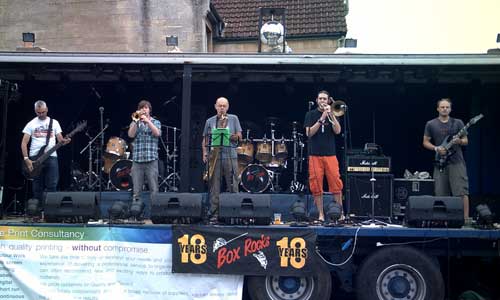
(237, 162)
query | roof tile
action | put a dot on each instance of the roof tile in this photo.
(303, 17)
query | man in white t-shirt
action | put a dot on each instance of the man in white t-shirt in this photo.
(36, 131)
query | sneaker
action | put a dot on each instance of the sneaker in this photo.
(214, 219)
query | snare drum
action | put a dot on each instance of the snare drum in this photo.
(120, 176)
(255, 179)
(264, 153)
(245, 151)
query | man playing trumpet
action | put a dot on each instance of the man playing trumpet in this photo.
(145, 130)
(321, 127)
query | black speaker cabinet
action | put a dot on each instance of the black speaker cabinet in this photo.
(71, 206)
(429, 211)
(404, 188)
(360, 191)
(181, 207)
(245, 206)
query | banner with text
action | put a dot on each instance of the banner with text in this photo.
(91, 263)
(248, 251)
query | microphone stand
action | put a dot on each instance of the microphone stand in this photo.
(99, 149)
(89, 145)
(347, 135)
(171, 186)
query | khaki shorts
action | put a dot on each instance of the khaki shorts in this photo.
(452, 181)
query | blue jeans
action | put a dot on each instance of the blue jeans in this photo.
(148, 170)
(47, 181)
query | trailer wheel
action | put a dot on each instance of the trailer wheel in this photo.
(316, 287)
(399, 273)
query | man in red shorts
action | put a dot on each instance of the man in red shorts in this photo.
(321, 127)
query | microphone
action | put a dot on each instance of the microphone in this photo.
(96, 93)
(311, 103)
(108, 121)
(101, 109)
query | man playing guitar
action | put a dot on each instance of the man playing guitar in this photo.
(450, 180)
(42, 139)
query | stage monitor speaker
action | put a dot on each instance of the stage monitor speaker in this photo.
(404, 188)
(234, 207)
(429, 211)
(170, 208)
(76, 207)
(360, 191)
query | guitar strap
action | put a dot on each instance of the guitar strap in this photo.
(49, 132)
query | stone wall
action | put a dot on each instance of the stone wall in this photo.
(104, 25)
(323, 45)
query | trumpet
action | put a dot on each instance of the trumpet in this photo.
(337, 109)
(136, 115)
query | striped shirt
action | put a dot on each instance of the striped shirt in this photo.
(145, 143)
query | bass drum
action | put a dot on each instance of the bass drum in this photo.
(255, 179)
(120, 175)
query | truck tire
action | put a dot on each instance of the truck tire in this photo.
(315, 287)
(399, 273)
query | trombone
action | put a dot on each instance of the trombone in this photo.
(337, 108)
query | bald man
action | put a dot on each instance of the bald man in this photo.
(226, 163)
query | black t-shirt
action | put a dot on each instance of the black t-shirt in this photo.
(323, 142)
(438, 131)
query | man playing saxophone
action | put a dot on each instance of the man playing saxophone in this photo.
(221, 159)
(321, 127)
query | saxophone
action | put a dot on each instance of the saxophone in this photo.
(213, 155)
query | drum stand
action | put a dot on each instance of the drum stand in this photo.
(98, 182)
(170, 181)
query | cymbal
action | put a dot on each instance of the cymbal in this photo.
(272, 121)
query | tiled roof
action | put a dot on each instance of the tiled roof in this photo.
(303, 17)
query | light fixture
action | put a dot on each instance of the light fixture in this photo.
(484, 215)
(172, 40)
(299, 212)
(333, 212)
(28, 37)
(118, 210)
(136, 209)
(33, 207)
(271, 33)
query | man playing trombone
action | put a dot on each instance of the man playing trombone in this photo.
(145, 130)
(321, 127)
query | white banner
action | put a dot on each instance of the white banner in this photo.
(78, 268)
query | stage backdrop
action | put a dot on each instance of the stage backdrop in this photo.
(90, 263)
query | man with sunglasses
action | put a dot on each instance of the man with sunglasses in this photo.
(36, 132)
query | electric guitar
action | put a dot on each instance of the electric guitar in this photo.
(42, 155)
(442, 160)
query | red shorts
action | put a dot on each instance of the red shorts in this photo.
(321, 166)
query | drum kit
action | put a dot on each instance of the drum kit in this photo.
(261, 161)
(115, 165)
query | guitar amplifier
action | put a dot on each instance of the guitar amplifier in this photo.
(404, 188)
(360, 192)
(362, 164)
